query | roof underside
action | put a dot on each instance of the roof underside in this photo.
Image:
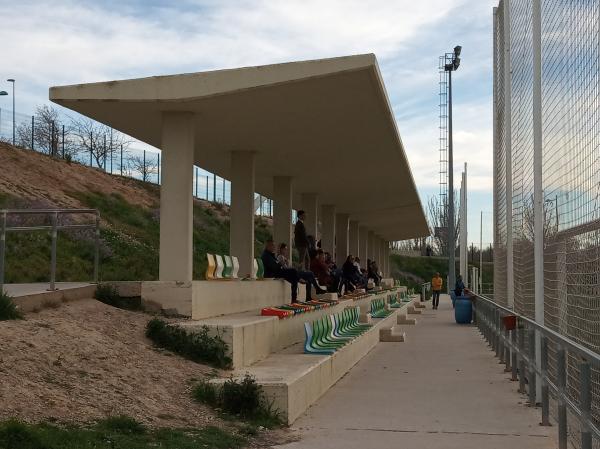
(327, 123)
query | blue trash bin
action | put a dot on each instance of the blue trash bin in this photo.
(463, 310)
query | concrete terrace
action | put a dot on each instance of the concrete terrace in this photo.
(443, 388)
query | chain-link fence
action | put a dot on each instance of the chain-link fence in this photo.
(102, 149)
(570, 154)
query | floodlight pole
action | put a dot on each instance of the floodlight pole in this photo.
(451, 63)
(451, 236)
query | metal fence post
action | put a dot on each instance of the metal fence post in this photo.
(585, 403)
(53, 252)
(196, 181)
(544, 376)
(158, 168)
(532, 375)
(2, 248)
(513, 337)
(507, 360)
(51, 149)
(32, 130)
(97, 248)
(561, 383)
(522, 361)
(63, 141)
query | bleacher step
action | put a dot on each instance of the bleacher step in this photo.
(294, 380)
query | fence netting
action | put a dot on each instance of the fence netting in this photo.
(570, 37)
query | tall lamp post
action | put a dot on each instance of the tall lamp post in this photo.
(2, 93)
(11, 80)
(451, 63)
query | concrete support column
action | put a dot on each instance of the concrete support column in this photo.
(371, 250)
(328, 228)
(241, 234)
(310, 203)
(282, 210)
(363, 245)
(353, 242)
(176, 206)
(388, 260)
(342, 224)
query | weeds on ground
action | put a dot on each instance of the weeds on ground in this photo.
(197, 346)
(239, 399)
(113, 433)
(8, 308)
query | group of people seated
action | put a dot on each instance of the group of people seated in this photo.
(324, 275)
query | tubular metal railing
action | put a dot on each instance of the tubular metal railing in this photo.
(525, 350)
(54, 227)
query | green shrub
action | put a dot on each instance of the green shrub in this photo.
(207, 393)
(239, 398)
(8, 308)
(16, 435)
(196, 346)
(122, 424)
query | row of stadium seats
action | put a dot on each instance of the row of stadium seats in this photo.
(331, 332)
(227, 267)
(289, 310)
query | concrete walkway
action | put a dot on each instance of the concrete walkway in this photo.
(442, 388)
(17, 290)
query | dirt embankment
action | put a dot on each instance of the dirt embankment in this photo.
(40, 179)
(85, 361)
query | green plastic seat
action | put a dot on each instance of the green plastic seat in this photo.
(260, 273)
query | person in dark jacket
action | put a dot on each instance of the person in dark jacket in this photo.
(459, 286)
(301, 241)
(306, 276)
(332, 280)
(273, 269)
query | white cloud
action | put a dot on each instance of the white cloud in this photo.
(72, 41)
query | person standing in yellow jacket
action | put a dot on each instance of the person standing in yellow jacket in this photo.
(436, 288)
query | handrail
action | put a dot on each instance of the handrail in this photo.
(54, 228)
(509, 345)
(586, 353)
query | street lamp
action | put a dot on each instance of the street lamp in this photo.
(11, 80)
(451, 63)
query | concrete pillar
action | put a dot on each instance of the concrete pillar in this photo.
(328, 228)
(282, 210)
(363, 245)
(310, 202)
(371, 246)
(176, 206)
(342, 225)
(353, 242)
(241, 233)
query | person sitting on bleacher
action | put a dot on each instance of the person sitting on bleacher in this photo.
(325, 276)
(352, 276)
(307, 276)
(372, 271)
(273, 269)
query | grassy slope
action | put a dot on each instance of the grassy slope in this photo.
(414, 270)
(129, 232)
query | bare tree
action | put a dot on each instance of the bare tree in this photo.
(144, 165)
(47, 132)
(98, 141)
(438, 222)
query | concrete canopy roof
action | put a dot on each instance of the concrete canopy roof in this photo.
(327, 123)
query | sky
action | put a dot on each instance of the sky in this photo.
(67, 42)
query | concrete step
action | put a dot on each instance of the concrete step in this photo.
(403, 319)
(392, 334)
(251, 337)
(294, 380)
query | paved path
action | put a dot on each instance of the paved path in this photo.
(442, 388)
(17, 290)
